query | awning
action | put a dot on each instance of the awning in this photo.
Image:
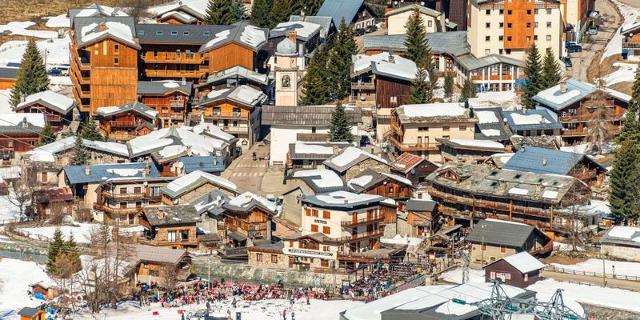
(237, 236)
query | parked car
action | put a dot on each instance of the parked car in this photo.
(360, 32)
(592, 31)
(61, 70)
(370, 29)
(567, 62)
(573, 47)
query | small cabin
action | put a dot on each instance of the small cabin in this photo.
(518, 270)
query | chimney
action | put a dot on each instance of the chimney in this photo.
(391, 59)
(102, 27)
(563, 86)
(293, 36)
(189, 153)
(87, 170)
(146, 169)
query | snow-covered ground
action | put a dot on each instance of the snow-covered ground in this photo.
(619, 268)
(54, 51)
(455, 276)
(60, 21)
(254, 310)
(21, 28)
(593, 295)
(629, 14)
(15, 278)
(5, 97)
(8, 211)
(625, 73)
(81, 232)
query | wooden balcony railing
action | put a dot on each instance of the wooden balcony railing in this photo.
(363, 86)
(361, 236)
(122, 136)
(124, 196)
(171, 116)
(172, 73)
(116, 210)
(630, 44)
(413, 147)
(574, 132)
(173, 57)
(362, 221)
(122, 124)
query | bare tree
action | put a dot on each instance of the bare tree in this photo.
(66, 266)
(600, 128)
(169, 275)
(21, 192)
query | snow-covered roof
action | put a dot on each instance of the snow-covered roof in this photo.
(304, 30)
(243, 94)
(349, 157)
(563, 95)
(342, 200)
(472, 143)
(302, 147)
(244, 34)
(95, 10)
(238, 71)
(48, 151)
(321, 180)
(195, 179)
(626, 235)
(122, 29)
(248, 200)
(78, 174)
(194, 8)
(370, 178)
(393, 66)
(200, 142)
(137, 107)
(487, 117)
(524, 262)
(55, 101)
(18, 119)
(432, 111)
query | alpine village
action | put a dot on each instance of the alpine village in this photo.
(320, 159)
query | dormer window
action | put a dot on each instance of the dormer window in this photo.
(174, 33)
(159, 33)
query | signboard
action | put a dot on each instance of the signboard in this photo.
(319, 221)
(327, 255)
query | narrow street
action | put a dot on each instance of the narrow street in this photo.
(246, 172)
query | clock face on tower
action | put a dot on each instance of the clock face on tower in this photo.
(286, 81)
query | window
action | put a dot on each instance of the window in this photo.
(535, 37)
(159, 33)
(487, 38)
(508, 51)
(174, 33)
(274, 258)
(326, 230)
(116, 60)
(548, 11)
(487, 25)
(286, 81)
(116, 48)
(390, 190)
(325, 248)
(123, 190)
(184, 235)
(259, 257)
(445, 137)
(445, 128)
(509, 25)
(535, 11)
(501, 25)
(528, 12)
(314, 228)
(548, 37)
(171, 236)
(216, 111)
(324, 263)
(307, 211)
(429, 23)
(508, 12)
(509, 39)
(45, 177)
(137, 190)
(501, 38)
(423, 129)
(314, 212)
(500, 50)
(463, 128)
(528, 24)
(487, 12)
(186, 33)
(326, 215)
(503, 249)
(548, 24)
(501, 11)
(487, 51)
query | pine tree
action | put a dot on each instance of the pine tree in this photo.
(54, 250)
(70, 249)
(340, 61)
(260, 13)
(80, 155)
(417, 48)
(280, 12)
(551, 73)
(224, 12)
(90, 131)
(310, 7)
(340, 128)
(623, 189)
(421, 91)
(315, 88)
(468, 91)
(448, 85)
(635, 92)
(533, 73)
(46, 136)
(32, 76)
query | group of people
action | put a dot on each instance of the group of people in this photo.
(380, 281)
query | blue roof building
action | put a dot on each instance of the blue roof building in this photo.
(532, 123)
(550, 161)
(343, 9)
(210, 164)
(94, 174)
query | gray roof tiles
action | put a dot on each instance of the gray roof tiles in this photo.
(307, 116)
(171, 215)
(101, 172)
(550, 122)
(453, 43)
(340, 9)
(187, 34)
(153, 88)
(8, 73)
(501, 233)
(545, 161)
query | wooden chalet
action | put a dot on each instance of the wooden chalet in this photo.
(248, 217)
(519, 270)
(119, 200)
(153, 264)
(182, 12)
(104, 61)
(170, 226)
(550, 161)
(57, 109)
(468, 149)
(421, 217)
(352, 161)
(53, 201)
(413, 167)
(576, 103)
(382, 80)
(355, 13)
(235, 110)
(125, 122)
(100, 152)
(492, 240)
(466, 193)
(186, 189)
(19, 133)
(168, 98)
(383, 184)
(631, 42)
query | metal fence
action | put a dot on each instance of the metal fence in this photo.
(591, 274)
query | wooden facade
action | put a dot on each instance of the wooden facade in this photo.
(52, 117)
(255, 224)
(232, 117)
(576, 117)
(7, 83)
(231, 55)
(391, 188)
(125, 126)
(171, 108)
(391, 93)
(174, 61)
(519, 24)
(507, 274)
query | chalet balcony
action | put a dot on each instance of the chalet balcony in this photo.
(177, 103)
(121, 136)
(122, 124)
(487, 204)
(363, 86)
(116, 210)
(257, 227)
(361, 236)
(174, 116)
(504, 77)
(173, 73)
(363, 221)
(630, 44)
(124, 196)
(574, 132)
(166, 243)
(84, 61)
(77, 88)
(173, 57)
(215, 115)
(83, 77)
(412, 147)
